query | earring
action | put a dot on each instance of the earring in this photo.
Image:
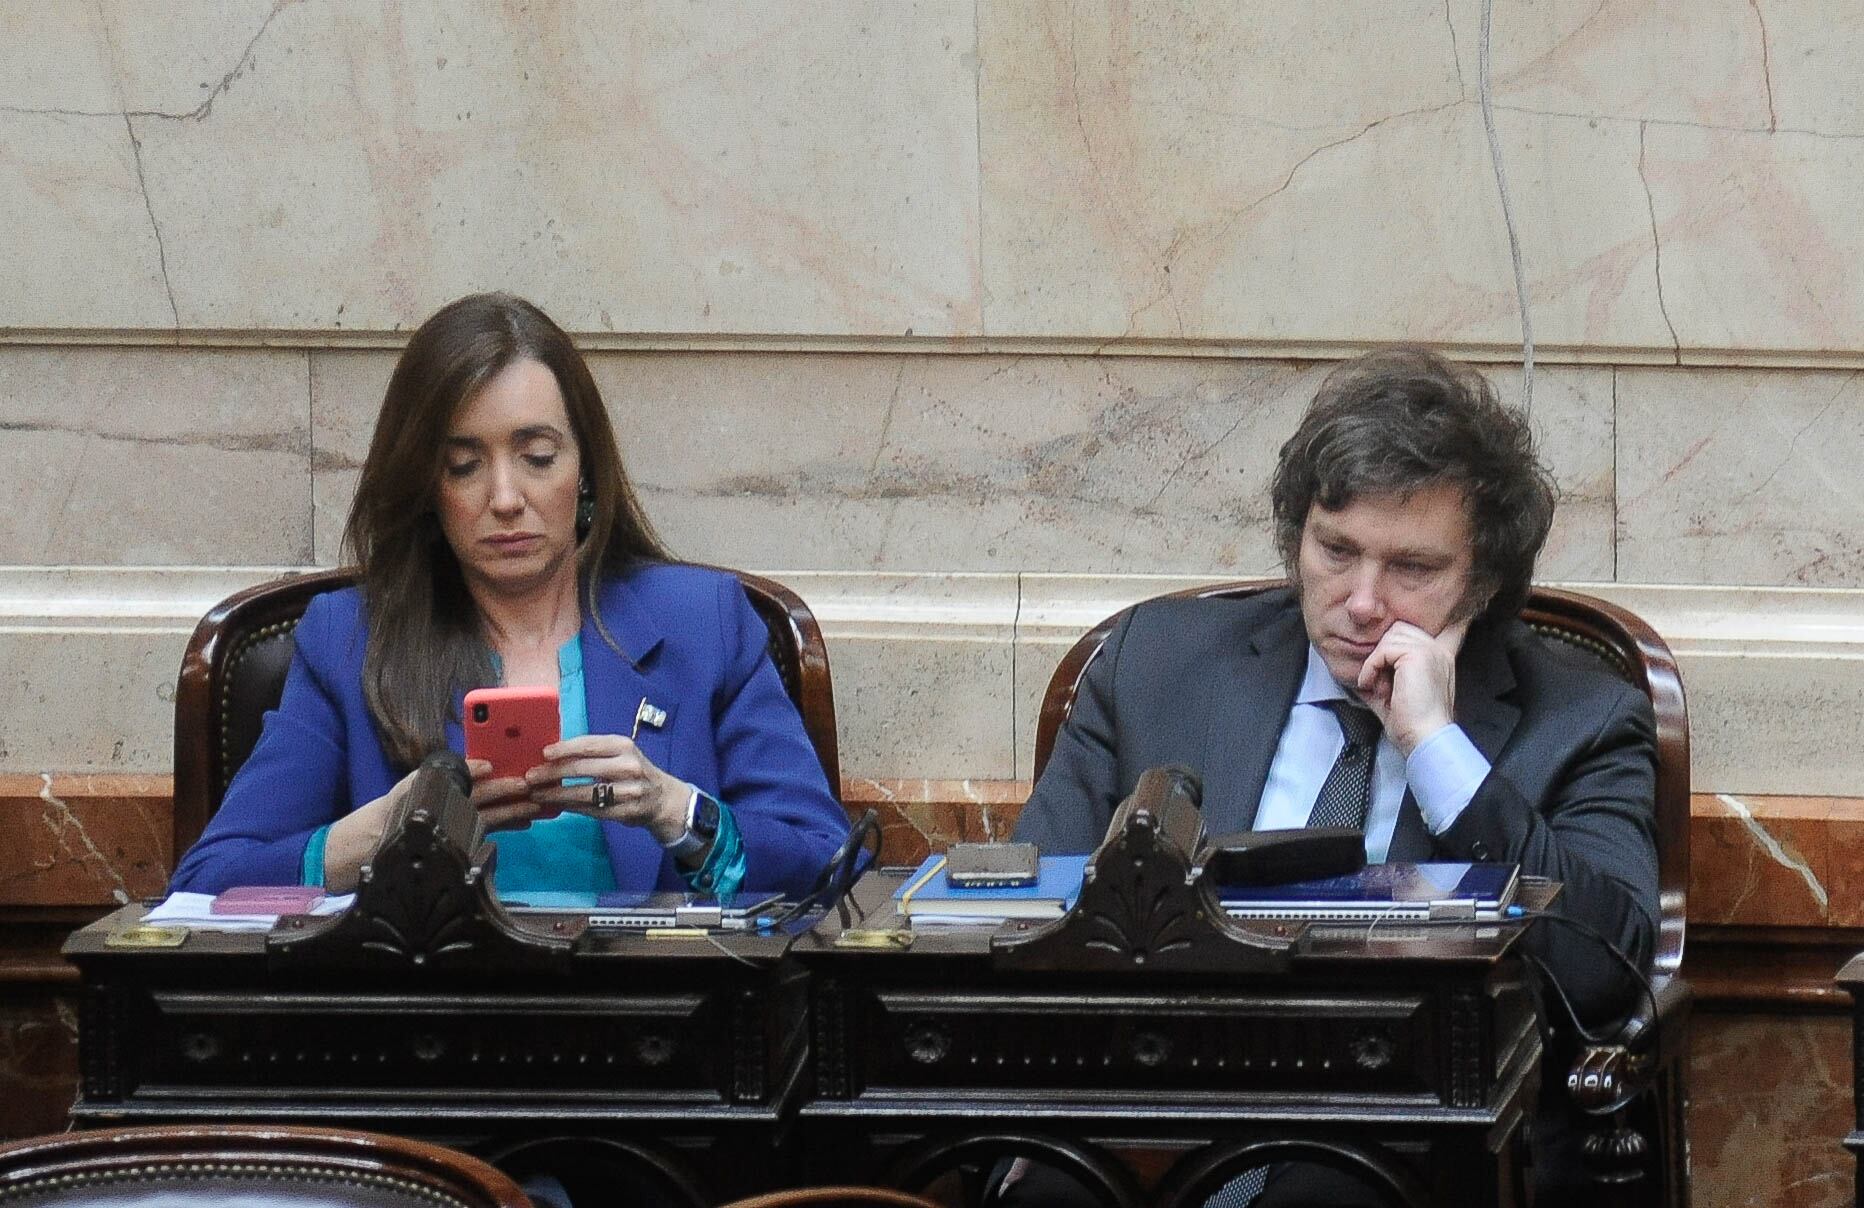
(585, 508)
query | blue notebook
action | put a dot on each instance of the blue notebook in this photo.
(1384, 891)
(927, 893)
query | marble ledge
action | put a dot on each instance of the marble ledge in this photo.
(122, 597)
(1776, 861)
(1047, 607)
(1483, 352)
(84, 840)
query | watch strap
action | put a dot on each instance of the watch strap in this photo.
(698, 835)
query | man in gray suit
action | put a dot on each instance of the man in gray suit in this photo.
(1392, 686)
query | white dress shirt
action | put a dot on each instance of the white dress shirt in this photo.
(1443, 773)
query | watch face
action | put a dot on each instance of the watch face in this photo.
(705, 818)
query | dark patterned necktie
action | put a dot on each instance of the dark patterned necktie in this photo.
(1342, 802)
(1348, 791)
(1241, 1191)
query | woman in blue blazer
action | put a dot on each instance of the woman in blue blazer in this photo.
(499, 542)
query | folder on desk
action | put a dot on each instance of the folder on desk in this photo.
(1378, 892)
(929, 895)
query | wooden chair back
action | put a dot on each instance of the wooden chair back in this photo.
(251, 1164)
(234, 672)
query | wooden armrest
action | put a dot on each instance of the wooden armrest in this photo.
(1604, 1077)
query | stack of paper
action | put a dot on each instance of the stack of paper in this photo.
(196, 911)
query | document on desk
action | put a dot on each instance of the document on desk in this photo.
(195, 911)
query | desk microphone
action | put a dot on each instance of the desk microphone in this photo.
(453, 766)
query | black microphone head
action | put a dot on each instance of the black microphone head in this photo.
(1185, 782)
(454, 766)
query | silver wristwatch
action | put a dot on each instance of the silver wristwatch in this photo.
(701, 828)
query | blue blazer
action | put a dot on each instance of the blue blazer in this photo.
(690, 643)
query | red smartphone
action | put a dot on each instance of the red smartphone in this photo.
(510, 727)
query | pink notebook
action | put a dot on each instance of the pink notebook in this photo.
(268, 899)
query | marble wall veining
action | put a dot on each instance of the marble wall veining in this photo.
(1740, 476)
(1118, 465)
(147, 456)
(778, 224)
(38, 1060)
(1771, 1105)
(1266, 175)
(925, 465)
(641, 167)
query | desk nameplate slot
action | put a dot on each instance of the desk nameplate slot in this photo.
(1256, 1044)
(331, 1045)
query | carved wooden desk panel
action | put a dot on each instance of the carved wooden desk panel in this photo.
(1411, 1053)
(673, 1045)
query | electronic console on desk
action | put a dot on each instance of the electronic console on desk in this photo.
(619, 911)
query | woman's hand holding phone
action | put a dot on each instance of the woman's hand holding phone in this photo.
(643, 795)
(504, 802)
(519, 765)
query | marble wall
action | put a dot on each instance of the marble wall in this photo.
(921, 303)
(1770, 1104)
(924, 463)
(1277, 176)
(955, 519)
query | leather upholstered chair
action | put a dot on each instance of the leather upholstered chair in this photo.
(253, 1166)
(234, 672)
(1633, 1083)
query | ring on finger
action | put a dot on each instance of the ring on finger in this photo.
(602, 797)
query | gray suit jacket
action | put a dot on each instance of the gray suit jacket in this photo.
(1209, 684)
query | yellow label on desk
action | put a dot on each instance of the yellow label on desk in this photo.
(897, 937)
(147, 935)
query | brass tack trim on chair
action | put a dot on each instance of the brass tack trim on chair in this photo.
(229, 1170)
(234, 657)
(1591, 646)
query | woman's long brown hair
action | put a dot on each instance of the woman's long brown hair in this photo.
(426, 641)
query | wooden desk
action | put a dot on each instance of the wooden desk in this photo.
(685, 1054)
(1143, 1020)
(1411, 1054)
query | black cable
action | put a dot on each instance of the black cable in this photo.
(838, 874)
(1521, 914)
(718, 943)
(1618, 954)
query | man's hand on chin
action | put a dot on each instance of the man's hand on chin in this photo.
(1409, 681)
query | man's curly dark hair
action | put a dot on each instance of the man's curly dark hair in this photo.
(1394, 422)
